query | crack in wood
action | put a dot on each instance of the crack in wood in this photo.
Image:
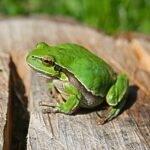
(17, 115)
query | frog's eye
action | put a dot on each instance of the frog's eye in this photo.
(48, 61)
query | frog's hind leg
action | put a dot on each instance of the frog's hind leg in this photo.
(68, 98)
(71, 103)
(116, 96)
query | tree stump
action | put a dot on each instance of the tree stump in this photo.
(25, 127)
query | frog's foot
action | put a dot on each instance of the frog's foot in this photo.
(51, 107)
(47, 107)
(110, 112)
(116, 97)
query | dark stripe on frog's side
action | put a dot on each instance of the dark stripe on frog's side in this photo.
(92, 72)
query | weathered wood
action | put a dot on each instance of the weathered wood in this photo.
(5, 112)
(130, 130)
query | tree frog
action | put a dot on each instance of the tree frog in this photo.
(78, 78)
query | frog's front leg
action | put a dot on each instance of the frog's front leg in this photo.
(116, 96)
(71, 98)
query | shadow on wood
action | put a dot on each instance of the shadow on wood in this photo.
(131, 97)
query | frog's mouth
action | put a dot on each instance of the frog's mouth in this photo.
(41, 73)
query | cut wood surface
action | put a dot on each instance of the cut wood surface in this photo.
(4, 101)
(130, 130)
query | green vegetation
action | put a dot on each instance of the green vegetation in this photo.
(108, 15)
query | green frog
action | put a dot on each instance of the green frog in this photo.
(79, 78)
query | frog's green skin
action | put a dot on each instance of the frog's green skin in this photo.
(86, 79)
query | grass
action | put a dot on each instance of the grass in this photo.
(107, 15)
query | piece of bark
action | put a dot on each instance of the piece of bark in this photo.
(130, 130)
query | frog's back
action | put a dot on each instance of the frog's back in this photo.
(93, 73)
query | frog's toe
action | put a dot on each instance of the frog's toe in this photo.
(111, 112)
(49, 110)
(47, 104)
(48, 107)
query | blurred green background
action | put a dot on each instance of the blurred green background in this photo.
(107, 15)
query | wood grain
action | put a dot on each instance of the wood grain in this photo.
(130, 130)
(5, 112)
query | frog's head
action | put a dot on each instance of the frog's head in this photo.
(40, 60)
